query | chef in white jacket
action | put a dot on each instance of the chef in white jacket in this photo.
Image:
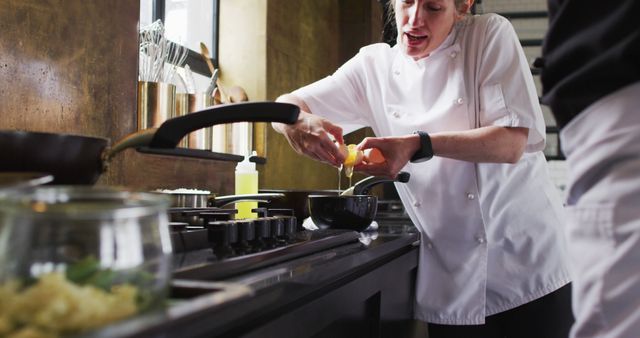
(454, 104)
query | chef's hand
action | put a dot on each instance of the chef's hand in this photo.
(397, 151)
(310, 135)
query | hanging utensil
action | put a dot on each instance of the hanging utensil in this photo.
(212, 83)
(204, 52)
(237, 94)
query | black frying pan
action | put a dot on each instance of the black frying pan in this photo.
(298, 200)
(353, 212)
(74, 159)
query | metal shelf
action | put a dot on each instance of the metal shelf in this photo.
(525, 15)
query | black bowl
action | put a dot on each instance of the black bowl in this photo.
(355, 212)
(296, 200)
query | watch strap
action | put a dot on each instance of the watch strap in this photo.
(425, 152)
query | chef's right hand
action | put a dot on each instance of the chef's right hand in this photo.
(310, 136)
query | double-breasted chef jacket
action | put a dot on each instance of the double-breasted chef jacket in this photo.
(491, 233)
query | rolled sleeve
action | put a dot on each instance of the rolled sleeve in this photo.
(507, 93)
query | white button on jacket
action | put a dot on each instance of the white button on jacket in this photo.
(515, 206)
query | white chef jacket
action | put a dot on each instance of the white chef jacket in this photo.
(602, 145)
(491, 233)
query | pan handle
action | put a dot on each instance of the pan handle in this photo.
(221, 201)
(173, 130)
(169, 134)
(134, 140)
(362, 187)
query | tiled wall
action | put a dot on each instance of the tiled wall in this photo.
(513, 5)
(533, 29)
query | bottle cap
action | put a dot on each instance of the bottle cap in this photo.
(246, 166)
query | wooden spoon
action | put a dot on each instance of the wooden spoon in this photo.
(237, 94)
(204, 52)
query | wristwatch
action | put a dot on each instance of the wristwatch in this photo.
(425, 152)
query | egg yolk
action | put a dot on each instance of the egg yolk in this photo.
(354, 156)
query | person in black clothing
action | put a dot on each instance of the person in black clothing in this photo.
(591, 81)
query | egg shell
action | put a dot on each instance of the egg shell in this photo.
(373, 155)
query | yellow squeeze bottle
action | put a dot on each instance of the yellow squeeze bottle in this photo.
(246, 183)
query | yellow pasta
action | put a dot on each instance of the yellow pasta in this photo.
(54, 306)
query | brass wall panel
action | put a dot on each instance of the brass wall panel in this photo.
(306, 41)
(69, 66)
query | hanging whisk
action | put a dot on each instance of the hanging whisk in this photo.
(154, 48)
(176, 58)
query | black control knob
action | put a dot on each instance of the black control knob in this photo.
(277, 230)
(246, 230)
(222, 235)
(262, 233)
(277, 226)
(262, 227)
(246, 234)
(290, 228)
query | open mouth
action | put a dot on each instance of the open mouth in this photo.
(415, 38)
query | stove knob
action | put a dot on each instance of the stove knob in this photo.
(290, 225)
(262, 227)
(246, 234)
(177, 243)
(277, 226)
(246, 230)
(232, 232)
(222, 233)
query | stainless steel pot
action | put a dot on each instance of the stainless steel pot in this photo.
(188, 198)
(97, 240)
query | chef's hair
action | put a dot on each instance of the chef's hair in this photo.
(459, 6)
